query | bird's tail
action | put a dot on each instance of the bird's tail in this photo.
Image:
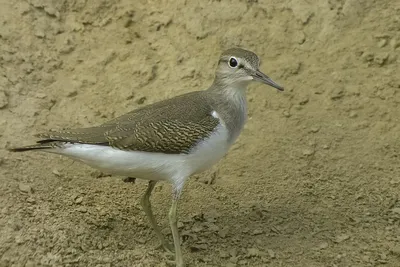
(38, 146)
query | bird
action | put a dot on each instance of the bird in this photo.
(169, 140)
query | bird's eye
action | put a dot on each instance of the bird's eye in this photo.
(233, 62)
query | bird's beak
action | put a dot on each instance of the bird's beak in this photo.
(258, 76)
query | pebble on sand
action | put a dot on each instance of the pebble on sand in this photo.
(25, 188)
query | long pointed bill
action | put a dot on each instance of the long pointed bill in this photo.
(261, 77)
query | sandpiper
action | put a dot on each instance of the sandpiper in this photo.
(169, 140)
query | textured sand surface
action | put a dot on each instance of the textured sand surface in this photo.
(314, 179)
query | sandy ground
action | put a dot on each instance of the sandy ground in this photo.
(313, 180)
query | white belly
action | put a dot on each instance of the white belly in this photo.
(151, 166)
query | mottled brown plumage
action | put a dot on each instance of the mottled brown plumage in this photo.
(172, 126)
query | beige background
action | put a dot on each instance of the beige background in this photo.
(313, 180)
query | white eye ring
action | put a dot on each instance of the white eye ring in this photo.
(233, 62)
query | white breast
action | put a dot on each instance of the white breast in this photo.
(151, 166)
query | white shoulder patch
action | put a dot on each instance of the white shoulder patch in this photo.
(215, 114)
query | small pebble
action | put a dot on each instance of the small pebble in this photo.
(381, 59)
(322, 245)
(19, 240)
(52, 11)
(31, 200)
(81, 209)
(286, 114)
(253, 252)
(271, 253)
(24, 8)
(27, 67)
(245, 230)
(300, 37)
(308, 152)
(78, 200)
(72, 93)
(353, 114)
(223, 233)
(383, 256)
(40, 95)
(304, 101)
(223, 254)
(341, 238)
(180, 225)
(141, 100)
(257, 232)
(66, 49)
(233, 252)
(365, 258)
(25, 188)
(140, 240)
(40, 33)
(315, 129)
(367, 57)
(382, 43)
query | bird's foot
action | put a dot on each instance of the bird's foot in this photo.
(168, 247)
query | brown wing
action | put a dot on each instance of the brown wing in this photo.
(172, 126)
(91, 135)
(167, 136)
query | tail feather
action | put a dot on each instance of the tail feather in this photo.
(39, 146)
(31, 147)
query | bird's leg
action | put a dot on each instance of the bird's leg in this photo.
(147, 209)
(173, 221)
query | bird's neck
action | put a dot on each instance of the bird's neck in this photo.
(229, 101)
